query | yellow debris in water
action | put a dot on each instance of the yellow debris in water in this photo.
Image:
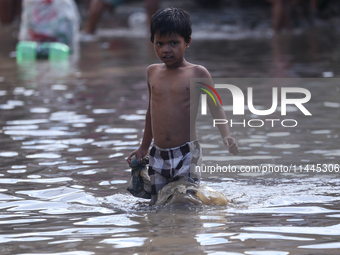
(182, 192)
(210, 196)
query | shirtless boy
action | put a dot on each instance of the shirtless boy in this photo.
(175, 147)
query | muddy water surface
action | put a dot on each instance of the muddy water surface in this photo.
(66, 130)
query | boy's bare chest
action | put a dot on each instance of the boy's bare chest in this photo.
(166, 85)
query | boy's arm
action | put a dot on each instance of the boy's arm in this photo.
(147, 136)
(217, 112)
(147, 139)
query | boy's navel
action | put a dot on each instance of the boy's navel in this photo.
(168, 138)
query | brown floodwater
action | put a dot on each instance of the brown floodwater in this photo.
(67, 128)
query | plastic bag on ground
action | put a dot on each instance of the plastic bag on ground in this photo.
(50, 21)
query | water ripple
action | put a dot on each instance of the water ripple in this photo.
(328, 245)
(24, 127)
(19, 221)
(333, 230)
(39, 133)
(27, 122)
(121, 130)
(59, 87)
(132, 117)
(8, 154)
(48, 147)
(39, 110)
(125, 242)
(116, 220)
(44, 155)
(103, 111)
(247, 236)
(42, 180)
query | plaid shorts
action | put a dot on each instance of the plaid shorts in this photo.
(168, 165)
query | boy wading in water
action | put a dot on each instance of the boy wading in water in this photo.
(173, 105)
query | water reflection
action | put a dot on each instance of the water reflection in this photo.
(65, 135)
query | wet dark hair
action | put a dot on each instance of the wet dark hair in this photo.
(171, 20)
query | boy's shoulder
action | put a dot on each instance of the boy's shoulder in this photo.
(198, 71)
(154, 67)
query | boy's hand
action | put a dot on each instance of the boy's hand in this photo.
(140, 153)
(231, 144)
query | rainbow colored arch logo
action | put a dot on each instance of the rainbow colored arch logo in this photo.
(209, 93)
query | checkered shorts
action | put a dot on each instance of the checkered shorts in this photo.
(168, 165)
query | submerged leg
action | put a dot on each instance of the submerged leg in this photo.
(157, 183)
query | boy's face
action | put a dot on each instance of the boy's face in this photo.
(170, 48)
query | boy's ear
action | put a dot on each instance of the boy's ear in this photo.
(188, 42)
